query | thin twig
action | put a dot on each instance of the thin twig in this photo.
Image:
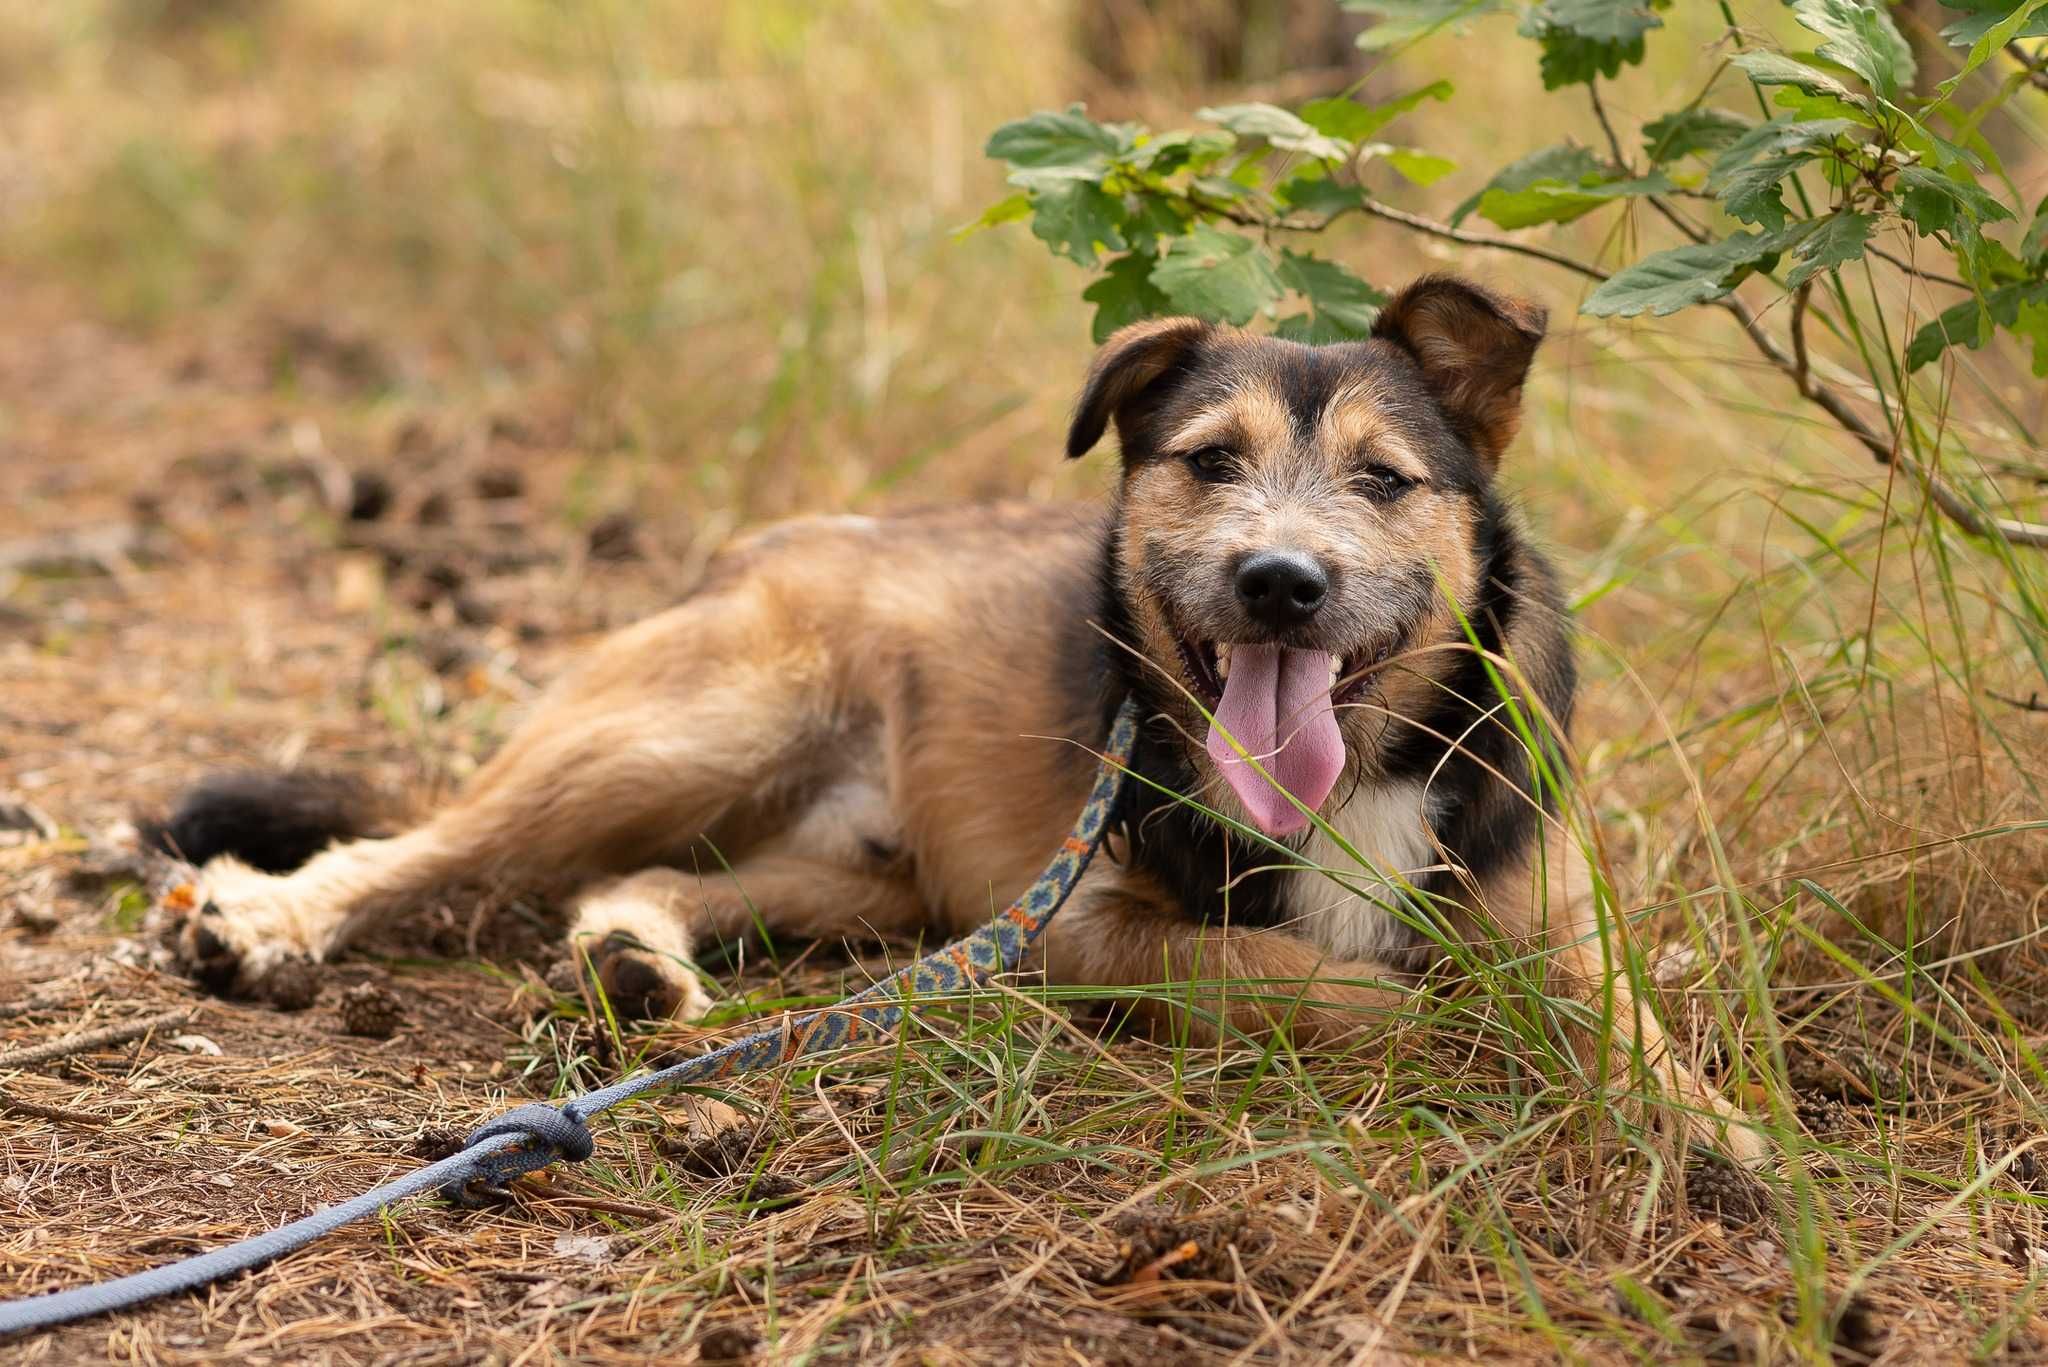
(1802, 369)
(1499, 244)
(1959, 509)
(89, 1040)
(2037, 70)
(2033, 702)
(1918, 272)
(1607, 127)
(10, 1102)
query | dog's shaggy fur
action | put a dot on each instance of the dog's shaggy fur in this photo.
(864, 719)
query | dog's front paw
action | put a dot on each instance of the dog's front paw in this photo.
(231, 943)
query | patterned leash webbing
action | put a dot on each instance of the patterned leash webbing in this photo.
(531, 1137)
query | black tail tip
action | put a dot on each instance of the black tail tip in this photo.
(274, 821)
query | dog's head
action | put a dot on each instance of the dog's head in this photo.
(1299, 526)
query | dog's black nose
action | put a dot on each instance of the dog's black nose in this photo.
(1281, 589)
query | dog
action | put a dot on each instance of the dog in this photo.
(1337, 625)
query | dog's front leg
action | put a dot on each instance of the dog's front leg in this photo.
(249, 924)
(1554, 905)
(1217, 980)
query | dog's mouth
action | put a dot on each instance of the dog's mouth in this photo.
(1275, 711)
(1207, 667)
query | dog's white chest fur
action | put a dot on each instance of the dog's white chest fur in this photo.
(1389, 826)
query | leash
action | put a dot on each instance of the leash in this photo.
(529, 1138)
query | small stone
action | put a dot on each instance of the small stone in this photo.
(371, 1010)
(22, 818)
(726, 1343)
(615, 537)
(369, 496)
(33, 919)
(499, 481)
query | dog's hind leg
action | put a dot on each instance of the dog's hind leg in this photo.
(632, 759)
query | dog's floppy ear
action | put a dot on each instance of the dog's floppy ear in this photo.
(1128, 363)
(1474, 347)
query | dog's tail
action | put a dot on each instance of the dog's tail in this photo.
(271, 820)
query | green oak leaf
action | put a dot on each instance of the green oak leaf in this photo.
(1218, 275)
(1414, 165)
(1312, 189)
(1860, 35)
(1982, 16)
(1840, 239)
(1691, 132)
(1603, 21)
(1774, 68)
(1347, 118)
(1008, 209)
(1755, 193)
(1404, 21)
(1124, 294)
(1548, 201)
(2022, 308)
(2022, 20)
(2034, 246)
(1934, 203)
(1182, 150)
(1749, 172)
(1074, 216)
(1806, 107)
(1667, 281)
(1565, 163)
(1339, 298)
(1585, 39)
(1153, 217)
(1067, 139)
(1286, 131)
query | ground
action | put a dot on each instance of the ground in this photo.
(359, 366)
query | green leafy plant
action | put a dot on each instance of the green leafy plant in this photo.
(1789, 167)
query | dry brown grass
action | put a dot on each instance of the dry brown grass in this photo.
(693, 266)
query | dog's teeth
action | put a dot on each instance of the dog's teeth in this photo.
(1336, 670)
(1222, 662)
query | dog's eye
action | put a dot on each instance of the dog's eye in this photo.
(1211, 464)
(1383, 484)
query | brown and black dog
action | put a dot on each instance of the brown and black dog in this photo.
(1308, 578)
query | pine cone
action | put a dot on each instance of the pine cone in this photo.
(1726, 1192)
(1824, 1115)
(1850, 1073)
(371, 1010)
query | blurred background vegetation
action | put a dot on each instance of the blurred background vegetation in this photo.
(701, 261)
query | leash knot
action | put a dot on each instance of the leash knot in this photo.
(547, 1132)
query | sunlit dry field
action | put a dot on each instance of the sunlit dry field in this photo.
(361, 364)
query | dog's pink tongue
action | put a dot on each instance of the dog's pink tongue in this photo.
(1276, 703)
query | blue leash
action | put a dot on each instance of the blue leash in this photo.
(529, 1138)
